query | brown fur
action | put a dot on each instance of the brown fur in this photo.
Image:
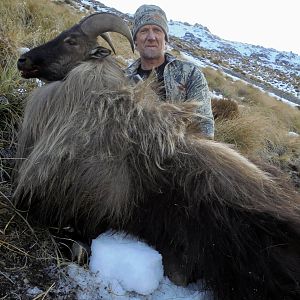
(100, 153)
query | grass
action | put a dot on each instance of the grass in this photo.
(262, 128)
(268, 111)
(252, 132)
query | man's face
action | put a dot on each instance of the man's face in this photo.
(150, 42)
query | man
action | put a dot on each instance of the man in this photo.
(180, 80)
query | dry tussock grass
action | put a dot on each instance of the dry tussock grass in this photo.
(262, 127)
(218, 83)
(224, 108)
(246, 132)
(253, 131)
(29, 23)
(283, 117)
(288, 116)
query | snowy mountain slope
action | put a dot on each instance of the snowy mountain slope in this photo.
(273, 69)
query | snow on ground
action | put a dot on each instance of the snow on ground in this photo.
(292, 104)
(193, 60)
(134, 264)
(122, 267)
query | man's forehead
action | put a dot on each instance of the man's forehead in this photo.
(151, 26)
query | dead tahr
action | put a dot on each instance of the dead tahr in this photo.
(100, 153)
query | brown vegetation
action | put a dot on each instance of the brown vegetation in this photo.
(224, 109)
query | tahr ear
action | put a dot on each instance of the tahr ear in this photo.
(99, 52)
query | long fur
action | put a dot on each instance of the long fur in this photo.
(99, 153)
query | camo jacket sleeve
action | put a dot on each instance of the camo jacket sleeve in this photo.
(184, 81)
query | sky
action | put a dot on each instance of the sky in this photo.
(269, 23)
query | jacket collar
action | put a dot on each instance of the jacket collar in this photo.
(132, 69)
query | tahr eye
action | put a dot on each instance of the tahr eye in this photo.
(70, 41)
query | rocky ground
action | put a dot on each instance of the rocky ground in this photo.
(31, 263)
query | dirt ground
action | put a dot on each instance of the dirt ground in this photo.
(31, 263)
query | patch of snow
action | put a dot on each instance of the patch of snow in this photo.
(293, 134)
(135, 265)
(122, 267)
(194, 60)
(214, 95)
(23, 50)
(33, 291)
(292, 104)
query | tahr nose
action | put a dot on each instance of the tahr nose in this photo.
(23, 62)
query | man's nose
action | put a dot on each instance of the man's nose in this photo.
(151, 35)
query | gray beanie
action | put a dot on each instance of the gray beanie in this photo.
(150, 15)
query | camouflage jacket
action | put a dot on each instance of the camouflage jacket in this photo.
(184, 81)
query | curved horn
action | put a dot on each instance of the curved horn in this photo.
(99, 23)
(107, 38)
